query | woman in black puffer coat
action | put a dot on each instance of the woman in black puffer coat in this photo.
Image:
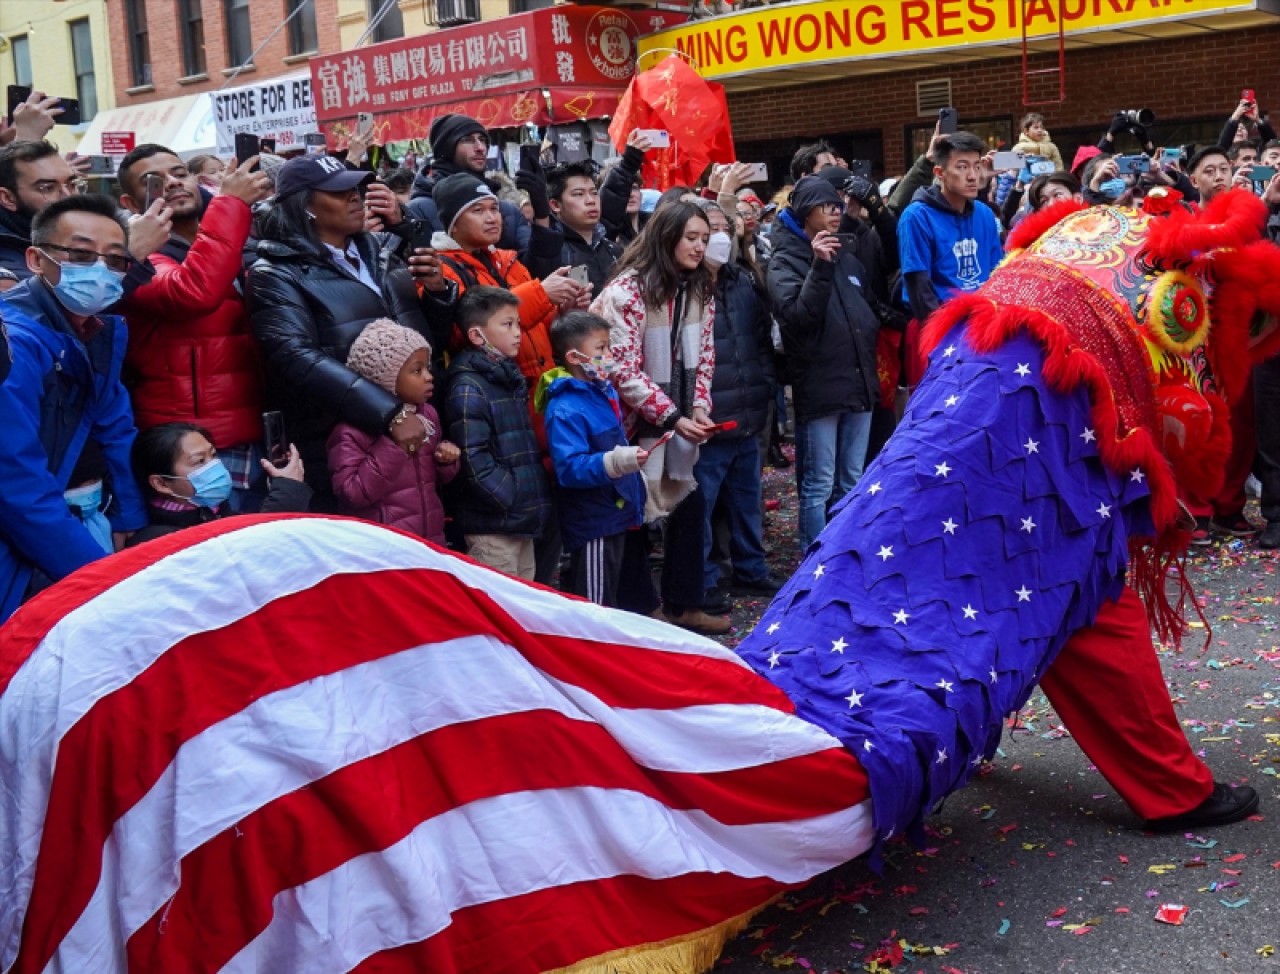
(319, 279)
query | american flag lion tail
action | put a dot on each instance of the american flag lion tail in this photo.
(313, 745)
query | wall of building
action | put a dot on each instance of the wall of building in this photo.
(168, 78)
(52, 66)
(1195, 78)
(418, 16)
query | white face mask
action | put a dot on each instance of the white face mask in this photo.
(719, 249)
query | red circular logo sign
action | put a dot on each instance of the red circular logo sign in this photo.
(611, 44)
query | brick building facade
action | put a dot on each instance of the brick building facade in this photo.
(170, 72)
(1192, 84)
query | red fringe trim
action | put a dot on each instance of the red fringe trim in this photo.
(1067, 366)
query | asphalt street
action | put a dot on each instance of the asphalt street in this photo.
(1038, 866)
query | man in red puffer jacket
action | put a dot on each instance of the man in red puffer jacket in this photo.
(191, 358)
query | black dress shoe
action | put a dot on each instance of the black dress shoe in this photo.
(769, 585)
(777, 459)
(716, 602)
(1270, 537)
(1224, 805)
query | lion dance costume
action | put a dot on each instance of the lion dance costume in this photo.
(316, 745)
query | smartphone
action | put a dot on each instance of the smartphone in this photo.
(101, 166)
(70, 106)
(153, 189)
(861, 167)
(1249, 95)
(275, 440)
(1130, 165)
(530, 157)
(758, 173)
(421, 236)
(1171, 156)
(848, 241)
(662, 439)
(1005, 161)
(268, 145)
(1261, 175)
(315, 143)
(658, 138)
(247, 146)
(364, 124)
(948, 121)
(728, 426)
(580, 275)
(1038, 166)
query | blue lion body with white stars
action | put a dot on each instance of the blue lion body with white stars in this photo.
(983, 536)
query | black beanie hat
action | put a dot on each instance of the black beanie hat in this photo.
(455, 193)
(447, 131)
(837, 176)
(811, 192)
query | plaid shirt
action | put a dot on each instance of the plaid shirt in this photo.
(241, 462)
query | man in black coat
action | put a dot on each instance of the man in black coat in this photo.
(574, 198)
(829, 329)
(461, 144)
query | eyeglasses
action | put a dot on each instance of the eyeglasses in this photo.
(76, 256)
(832, 209)
(52, 189)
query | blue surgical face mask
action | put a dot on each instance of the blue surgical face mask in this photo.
(87, 502)
(86, 289)
(212, 484)
(1113, 189)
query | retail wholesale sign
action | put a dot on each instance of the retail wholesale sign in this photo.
(570, 46)
(839, 30)
(281, 109)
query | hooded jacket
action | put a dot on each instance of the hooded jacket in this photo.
(59, 392)
(828, 326)
(515, 228)
(958, 251)
(1044, 148)
(15, 238)
(305, 312)
(376, 480)
(743, 384)
(191, 357)
(584, 423)
(487, 415)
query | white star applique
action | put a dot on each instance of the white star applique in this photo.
(1031, 446)
(945, 685)
(952, 400)
(1104, 510)
(1023, 369)
(885, 552)
(773, 658)
(995, 677)
(838, 646)
(854, 698)
(817, 572)
(970, 612)
(1023, 594)
(874, 488)
(1089, 436)
(773, 627)
(900, 617)
(949, 526)
(948, 351)
(941, 470)
(976, 762)
(1136, 475)
(1028, 525)
(942, 756)
(867, 745)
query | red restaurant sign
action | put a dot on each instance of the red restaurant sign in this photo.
(495, 71)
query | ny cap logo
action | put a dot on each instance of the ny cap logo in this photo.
(330, 165)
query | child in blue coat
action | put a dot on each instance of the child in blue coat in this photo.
(599, 490)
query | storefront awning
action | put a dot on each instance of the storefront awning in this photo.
(557, 64)
(821, 40)
(183, 124)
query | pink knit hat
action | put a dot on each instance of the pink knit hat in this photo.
(380, 351)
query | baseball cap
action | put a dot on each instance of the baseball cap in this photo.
(325, 173)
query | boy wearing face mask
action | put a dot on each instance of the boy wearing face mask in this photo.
(186, 484)
(599, 491)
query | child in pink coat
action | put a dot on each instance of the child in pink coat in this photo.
(374, 478)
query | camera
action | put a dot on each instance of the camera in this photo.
(1139, 116)
(1129, 165)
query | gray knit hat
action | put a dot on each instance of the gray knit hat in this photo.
(380, 351)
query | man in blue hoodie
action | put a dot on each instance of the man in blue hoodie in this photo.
(599, 490)
(948, 240)
(62, 388)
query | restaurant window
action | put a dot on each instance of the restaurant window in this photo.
(135, 12)
(391, 25)
(302, 28)
(239, 32)
(82, 60)
(191, 22)
(22, 60)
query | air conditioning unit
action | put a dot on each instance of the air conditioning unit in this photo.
(933, 95)
(451, 13)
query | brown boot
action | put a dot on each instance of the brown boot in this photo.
(695, 620)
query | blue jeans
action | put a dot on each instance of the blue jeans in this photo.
(830, 452)
(733, 465)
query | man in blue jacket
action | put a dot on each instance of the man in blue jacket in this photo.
(62, 389)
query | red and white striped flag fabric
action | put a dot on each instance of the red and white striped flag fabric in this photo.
(311, 744)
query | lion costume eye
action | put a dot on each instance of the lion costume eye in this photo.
(1177, 313)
